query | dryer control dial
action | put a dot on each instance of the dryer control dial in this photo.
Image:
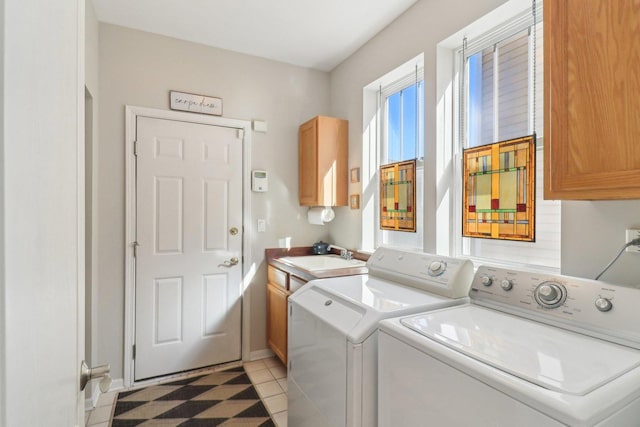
(550, 294)
(486, 280)
(436, 268)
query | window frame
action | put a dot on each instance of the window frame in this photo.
(414, 78)
(519, 22)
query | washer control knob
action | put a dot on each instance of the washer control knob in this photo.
(486, 280)
(436, 268)
(603, 304)
(550, 294)
(506, 284)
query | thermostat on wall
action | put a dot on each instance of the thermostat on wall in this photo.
(259, 181)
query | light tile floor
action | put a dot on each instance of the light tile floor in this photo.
(269, 377)
(101, 414)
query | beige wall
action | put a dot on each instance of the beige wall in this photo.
(139, 69)
(417, 31)
(91, 48)
(592, 232)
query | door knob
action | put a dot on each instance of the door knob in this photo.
(230, 262)
(87, 374)
(233, 231)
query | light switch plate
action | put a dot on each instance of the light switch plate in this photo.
(262, 225)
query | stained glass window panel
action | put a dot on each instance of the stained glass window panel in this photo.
(499, 190)
(398, 196)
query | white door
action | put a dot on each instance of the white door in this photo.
(41, 248)
(189, 253)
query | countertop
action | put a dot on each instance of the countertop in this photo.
(273, 258)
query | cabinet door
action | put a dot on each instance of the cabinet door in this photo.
(332, 161)
(322, 162)
(277, 320)
(308, 163)
(592, 107)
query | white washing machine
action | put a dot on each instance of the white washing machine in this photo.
(333, 339)
(530, 349)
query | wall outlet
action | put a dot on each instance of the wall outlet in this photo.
(630, 235)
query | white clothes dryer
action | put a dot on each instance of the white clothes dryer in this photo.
(333, 339)
(531, 349)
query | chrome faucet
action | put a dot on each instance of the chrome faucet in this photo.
(344, 253)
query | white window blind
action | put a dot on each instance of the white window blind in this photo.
(498, 104)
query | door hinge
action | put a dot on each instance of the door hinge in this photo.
(290, 310)
(134, 351)
(135, 148)
(135, 249)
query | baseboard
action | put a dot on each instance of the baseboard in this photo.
(91, 402)
(260, 354)
(117, 385)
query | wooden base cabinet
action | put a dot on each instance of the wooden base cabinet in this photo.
(592, 102)
(322, 162)
(277, 320)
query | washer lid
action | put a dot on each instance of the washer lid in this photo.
(374, 299)
(380, 295)
(550, 357)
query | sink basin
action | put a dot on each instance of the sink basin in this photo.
(322, 262)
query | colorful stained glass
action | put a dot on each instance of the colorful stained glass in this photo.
(499, 190)
(398, 196)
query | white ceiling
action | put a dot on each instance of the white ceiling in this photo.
(310, 33)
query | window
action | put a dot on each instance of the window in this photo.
(501, 88)
(393, 131)
(402, 112)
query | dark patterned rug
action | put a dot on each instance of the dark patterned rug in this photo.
(225, 398)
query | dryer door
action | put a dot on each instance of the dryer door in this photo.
(317, 384)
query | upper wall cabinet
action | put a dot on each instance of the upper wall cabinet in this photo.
(322, 162)
(592, 99)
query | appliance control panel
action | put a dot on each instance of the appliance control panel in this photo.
(446, 276)
(576, 303)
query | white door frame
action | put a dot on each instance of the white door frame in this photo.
(132, 114)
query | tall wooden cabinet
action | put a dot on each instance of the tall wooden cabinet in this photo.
(592, 99)
(322, 162)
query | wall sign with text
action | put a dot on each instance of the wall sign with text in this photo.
(195, 103)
